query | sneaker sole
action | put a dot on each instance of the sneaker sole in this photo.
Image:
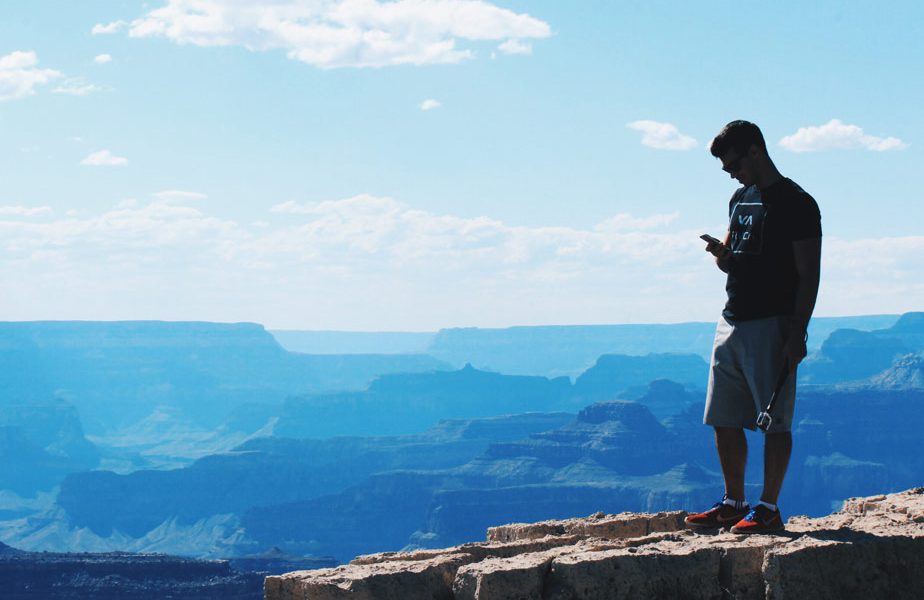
(726, 525)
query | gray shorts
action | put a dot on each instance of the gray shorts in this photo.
(747, 358)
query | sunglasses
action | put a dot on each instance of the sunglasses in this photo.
(734, 166)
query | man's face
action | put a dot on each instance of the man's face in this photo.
(738, 166)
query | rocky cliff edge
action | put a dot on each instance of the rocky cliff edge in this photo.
(872, 548)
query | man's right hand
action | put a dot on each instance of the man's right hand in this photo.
(718, 250)
(722, 254)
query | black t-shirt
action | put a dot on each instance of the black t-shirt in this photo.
(763, 225)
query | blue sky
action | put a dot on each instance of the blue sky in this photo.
(412, 165)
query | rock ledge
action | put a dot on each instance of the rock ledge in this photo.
(873, 547)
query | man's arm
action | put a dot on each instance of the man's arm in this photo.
(808, 265)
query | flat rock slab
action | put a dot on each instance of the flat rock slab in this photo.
(872, 548)
(623, 525)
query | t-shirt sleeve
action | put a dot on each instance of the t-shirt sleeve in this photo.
(805, 219)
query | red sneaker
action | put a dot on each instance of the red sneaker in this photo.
(720, 515)
(760, 520)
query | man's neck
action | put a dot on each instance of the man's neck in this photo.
(767, 176)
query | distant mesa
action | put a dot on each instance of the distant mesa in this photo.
(911, 323)
(114, 373)
(622, 372)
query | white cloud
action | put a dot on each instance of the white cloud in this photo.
(344, 33)
(391, 229)
(113, 27)
(355, 206)
(179, 196)
(19, 75)
(836, 135)
(104, 158)
(102, 59)
(375, 262)
(662, 136)
(76, 86)
(26, 211)
(625, 221)
(515, 47)
(872, 275)
(871, 256)
(430, 104)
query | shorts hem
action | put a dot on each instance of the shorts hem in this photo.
(751, 426)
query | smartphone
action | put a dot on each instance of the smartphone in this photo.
(708, 238)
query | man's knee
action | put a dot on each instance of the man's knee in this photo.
(729, 432)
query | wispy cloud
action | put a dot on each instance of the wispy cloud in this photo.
(102, 59)
(20, 75)
(108, 28)
(104, 158)
(627, 222)
(179, 196)
(77, 86)
(837, 135)
(344, 33)
(662, 136)
(430, 104)
(26, 211)
(515, 47)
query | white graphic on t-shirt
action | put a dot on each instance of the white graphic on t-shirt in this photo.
(747, 226)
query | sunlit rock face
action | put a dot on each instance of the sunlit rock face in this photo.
(871, 548)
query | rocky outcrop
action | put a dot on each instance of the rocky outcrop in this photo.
(872, 548)
(906, 373)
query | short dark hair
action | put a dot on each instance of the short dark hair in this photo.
(737, 136)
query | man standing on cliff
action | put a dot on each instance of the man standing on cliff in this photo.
(772, 256)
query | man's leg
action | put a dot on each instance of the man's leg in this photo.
(763, 519)
(777, 449)
(733, 455)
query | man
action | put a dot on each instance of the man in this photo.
(772, 255)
